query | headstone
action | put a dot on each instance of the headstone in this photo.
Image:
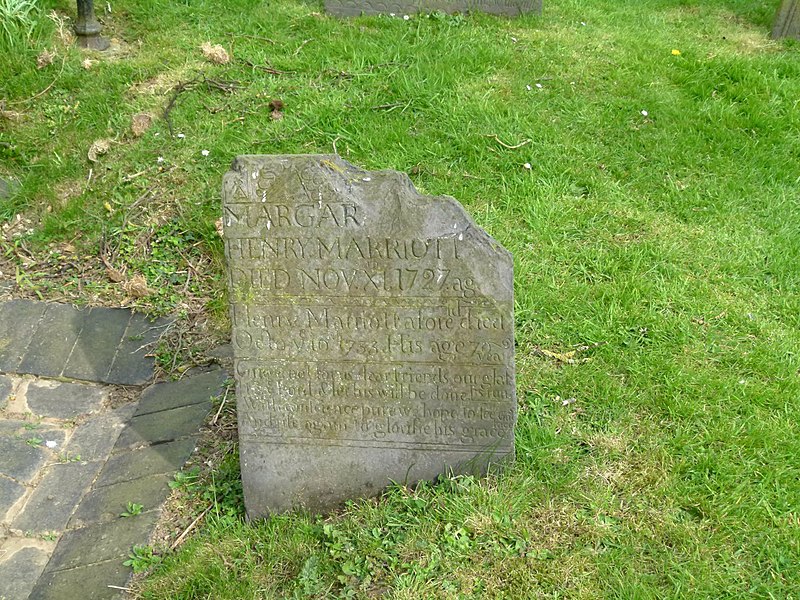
(787, 21)
(372, 333)
(354, 8)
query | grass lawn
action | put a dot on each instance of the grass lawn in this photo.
(641, 159)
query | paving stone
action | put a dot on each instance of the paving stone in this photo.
(101, 334)
(19, 572)
(94, 439)
(84, 583)
(53, 340)
(56, 497)
(63, 400)
(191, 390)
(5, 390)
(10, 492)
(18, 321)
(164, 426)
(107, 503)
(131, 364)
(20, 459)
(153, 460)
(104, 541)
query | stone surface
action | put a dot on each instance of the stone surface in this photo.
(90, 582)
(94, 439)
(93, 354)
(23, 454)
(131, 364)
(53, 341)
(5, 390)
(153, 460)
(18, 573)
(10, 492)
(190, 390)
(164, 426)
(55, 498)
(105, 541)
(787, 20)
(62, 400)
(59, 340)
(109, 502)
(354, 8)
(372, 332)
(18, 322)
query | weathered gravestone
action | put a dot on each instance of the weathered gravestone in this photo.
(354, 8)
(787, 21)
(372, 332)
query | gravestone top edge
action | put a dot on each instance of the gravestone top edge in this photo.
(248, 161)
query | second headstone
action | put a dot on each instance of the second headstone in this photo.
(372, 332)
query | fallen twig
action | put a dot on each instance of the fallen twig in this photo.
(252, 37)
(268, 69)
(225, 397)
(45, 90)
(186, 531)
(509, 146)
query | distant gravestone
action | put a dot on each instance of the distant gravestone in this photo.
(354, 8)
(787, 21)
(372, 333)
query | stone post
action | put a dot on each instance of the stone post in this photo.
(787, 21)
(88, 29)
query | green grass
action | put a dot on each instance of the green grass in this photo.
(668, 243)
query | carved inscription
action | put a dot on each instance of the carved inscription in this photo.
(366, 318)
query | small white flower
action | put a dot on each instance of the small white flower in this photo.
(392, 15)
(204, 152)
(583, 23)
(513, 39)
(406, 17)
(527, 166)
(742, 382)
(160, 159)
(539, 85)
(51, 444)
(181, 136)
(645, 113)
(529, 88)
(157, 133)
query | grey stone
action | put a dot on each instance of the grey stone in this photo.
(354, 8)
(8, 187)
(19, 572)
(152, 460)
(109, 502)
(10, 492)
(94, 439)
(101, 542)
(53, 340)
(18, 323)
(131, 364)
(61, 400)
(787, 20)
(372, 332)
(190, 390)
(90, 582)
(56, 497)
(164, 426)
(5, 390)
(94, 350)
(23, 452)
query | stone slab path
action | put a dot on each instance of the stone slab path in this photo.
(83, 433)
